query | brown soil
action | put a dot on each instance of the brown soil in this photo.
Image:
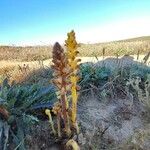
(103, 125)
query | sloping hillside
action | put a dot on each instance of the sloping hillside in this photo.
(142, 38)
(132, 46)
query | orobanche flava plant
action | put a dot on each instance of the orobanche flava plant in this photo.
(72, 52)
(61, 73)
(65, 66)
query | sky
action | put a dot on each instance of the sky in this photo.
(43, 22)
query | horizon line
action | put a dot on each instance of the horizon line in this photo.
(41, 43)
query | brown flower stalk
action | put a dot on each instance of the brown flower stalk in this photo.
(61, 72)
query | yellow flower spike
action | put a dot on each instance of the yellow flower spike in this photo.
(73, 65)
(72, 52)
(48, 113)
(74, 79)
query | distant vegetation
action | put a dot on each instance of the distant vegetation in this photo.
(140, 45)
(142, 38)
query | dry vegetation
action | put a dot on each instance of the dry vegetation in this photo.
(126, 47)
(25, 53)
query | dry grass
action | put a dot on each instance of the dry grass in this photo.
(114, 48)
(130, 47)
(25, 53)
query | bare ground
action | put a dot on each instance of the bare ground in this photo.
(104, 125)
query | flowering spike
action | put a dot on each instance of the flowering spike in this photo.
(61, 69)
(72, 52)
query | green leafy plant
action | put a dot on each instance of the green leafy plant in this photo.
(16, 103)
(92, 75)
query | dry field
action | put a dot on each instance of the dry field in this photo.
(134, 46)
